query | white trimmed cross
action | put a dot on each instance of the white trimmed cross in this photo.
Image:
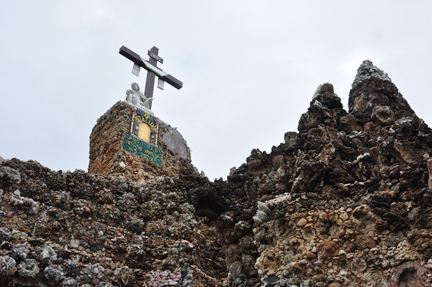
(152, 70)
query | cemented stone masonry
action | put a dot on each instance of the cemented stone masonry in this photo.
(116, 149)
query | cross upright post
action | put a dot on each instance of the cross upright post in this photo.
(152, 70)
(153, 59)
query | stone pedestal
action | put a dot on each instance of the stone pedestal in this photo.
(127, 141)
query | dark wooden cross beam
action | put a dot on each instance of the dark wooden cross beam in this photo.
(152, 70)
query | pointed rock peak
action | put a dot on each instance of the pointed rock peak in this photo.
(327, 87)
(366, 71)
(324, 95)
(324, 110)
(374, 97)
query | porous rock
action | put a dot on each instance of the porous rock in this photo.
(345, 201)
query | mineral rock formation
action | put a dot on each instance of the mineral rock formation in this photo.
(346, 201)
(348, 195)
(73, 228)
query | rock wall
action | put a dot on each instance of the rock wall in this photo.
(78, 229)
(345, 201)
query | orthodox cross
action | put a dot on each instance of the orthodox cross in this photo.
(152, 70)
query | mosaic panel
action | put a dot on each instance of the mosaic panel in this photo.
(142, 149)
(144, 126)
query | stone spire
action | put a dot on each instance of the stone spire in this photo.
(368, 70)
(374, 96)
(324, 110)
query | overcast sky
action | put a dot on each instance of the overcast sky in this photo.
(249, 68)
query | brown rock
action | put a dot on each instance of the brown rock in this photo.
(310, 255)
(349, 124)
(348, 246)
(301, 222)
(343, 215)
(383, 114)
(364, 241)
(408, 274)
(327, 87)
(278, 161)
(11, 271)
(159, 241)
(429, 166)
(358, 265)
(327, 249)
(254, 164)
(24, 228)
(408, 154)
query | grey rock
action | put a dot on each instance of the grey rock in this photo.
(263, 207)
(262, 214)
(368, 70)
(403, 120)
(270, 281)
(235, 270)
(29, 268)
(52, 274)
(5, 234)
(71, 268)
(69, 282)
(91, 271)
(260, 218)
(187, 277)
(19, 253)
(290, 138)
(10, 174)
(45, 254)
(6, 263)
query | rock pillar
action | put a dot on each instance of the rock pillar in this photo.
(127, 141)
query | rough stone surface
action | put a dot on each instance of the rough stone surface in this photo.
(346, 201)
(75, 228)
(108, 157)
